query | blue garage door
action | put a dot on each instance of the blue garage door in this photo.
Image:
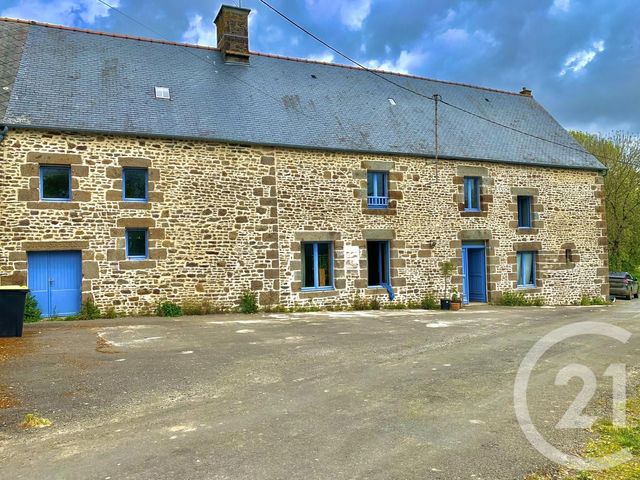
(55, 280)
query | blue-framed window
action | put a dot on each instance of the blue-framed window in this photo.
(378, 263)
(377, 189)
(524, 211)
(135, 184)
(317, 265)
(55, 183)
(137, 243)
(472, 194)
(526, 269)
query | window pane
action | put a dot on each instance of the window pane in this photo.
(370, 184)
(526, 268)
(55, 182)
(137, 243)
(377, 264)
(324, 265)
(384, 250)
(524, 211)
(307, 265)
(135, 184)
(474, 193)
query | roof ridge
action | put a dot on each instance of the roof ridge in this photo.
(267, 55)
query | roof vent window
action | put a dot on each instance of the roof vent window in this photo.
(392, 101)
(163, 92)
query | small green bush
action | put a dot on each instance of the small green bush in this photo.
(360, 303)
(169, 309)
(374, 304)
(248, 302)
(586, 300)
(110, 313)
(31, 311)
(89, 311)
(429, 302)
(395, 306)
(413, 304)
(517, 299)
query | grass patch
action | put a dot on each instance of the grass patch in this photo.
(610, 439)
(518, 299)
(586, 300)
(31, 420)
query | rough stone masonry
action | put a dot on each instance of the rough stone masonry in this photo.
(222, 218)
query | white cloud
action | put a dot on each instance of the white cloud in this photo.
(405, 63)
(199, 32)
(326, 57)
(65, 12)
(352, 13)
(454, 35)
(459, 36)
(577, 62)
(560, 6)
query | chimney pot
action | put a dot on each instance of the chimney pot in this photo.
(526, 92)
(232, 29)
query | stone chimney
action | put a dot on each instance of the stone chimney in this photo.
(232, 27)
(526, 92)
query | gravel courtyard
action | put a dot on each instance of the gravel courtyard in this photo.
(377, 395)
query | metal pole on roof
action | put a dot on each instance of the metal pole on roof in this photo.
(436, 99)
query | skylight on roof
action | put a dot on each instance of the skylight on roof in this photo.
(163, 92)
(392, 101)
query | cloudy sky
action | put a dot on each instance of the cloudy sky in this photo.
(581, 58)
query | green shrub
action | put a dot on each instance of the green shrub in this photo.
(31, 311)
(395, 306)
(360, 303)
(374, 304)
(88, 311)
(413, 304)
(517, 299)
(429, 302)
(248, 302)
(110, 313)
(586, 300)
(168, 309)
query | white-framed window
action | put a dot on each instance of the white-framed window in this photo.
(163, 93)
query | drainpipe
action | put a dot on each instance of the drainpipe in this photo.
(3, 131)
(390, 291)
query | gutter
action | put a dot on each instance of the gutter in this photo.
(427, 156)
(3, 132)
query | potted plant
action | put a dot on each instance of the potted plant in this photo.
(456, 301)
(447, 270)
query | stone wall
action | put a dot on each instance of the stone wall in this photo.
(223, 218)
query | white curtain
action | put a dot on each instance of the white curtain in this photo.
(525, 276)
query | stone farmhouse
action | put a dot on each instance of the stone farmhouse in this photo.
(136, 171)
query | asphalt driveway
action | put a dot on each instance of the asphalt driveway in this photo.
(392, 394)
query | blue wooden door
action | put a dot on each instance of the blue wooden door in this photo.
(474, 276)
(55, 280)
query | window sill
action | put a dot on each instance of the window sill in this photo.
(53, 205)
(380, 211)
(135, 200)
(318, 289)
(318, 293)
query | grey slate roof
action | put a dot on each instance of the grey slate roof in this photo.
(79, 81)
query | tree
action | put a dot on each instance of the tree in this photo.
(620, 153)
